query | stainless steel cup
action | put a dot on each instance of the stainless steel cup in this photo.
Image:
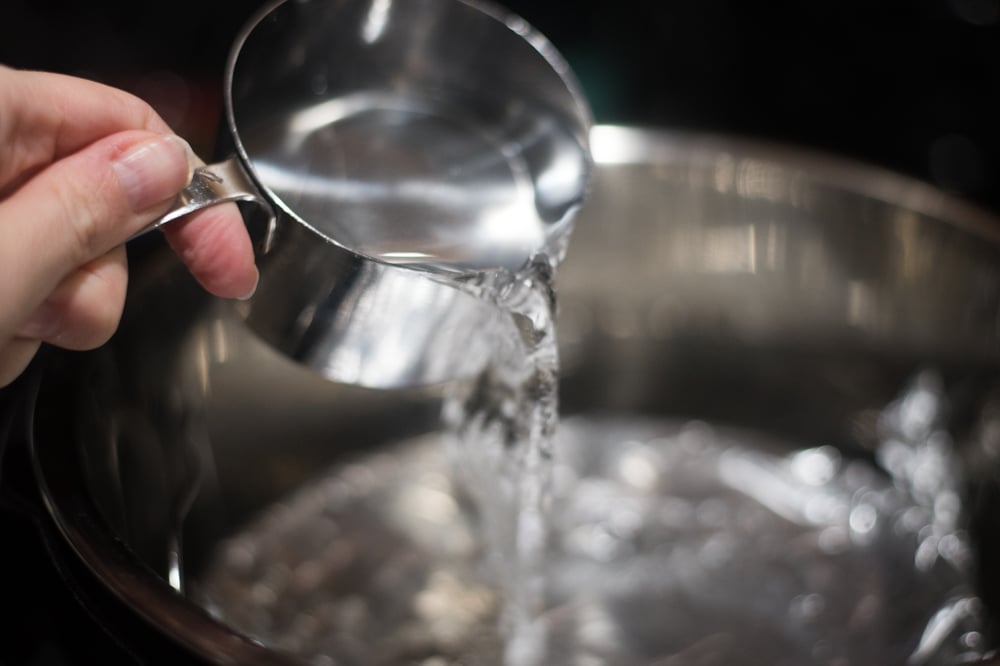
(402, 145)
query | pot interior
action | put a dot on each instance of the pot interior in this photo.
(779, 441)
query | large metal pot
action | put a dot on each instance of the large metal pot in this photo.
(746, 285)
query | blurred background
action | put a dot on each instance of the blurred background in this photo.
(913, 85)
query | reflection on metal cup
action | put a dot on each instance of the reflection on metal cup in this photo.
(402, 145)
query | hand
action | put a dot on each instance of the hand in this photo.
(82, 168)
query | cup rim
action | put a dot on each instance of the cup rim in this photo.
(512, 22)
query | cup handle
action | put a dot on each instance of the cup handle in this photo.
(214, 184)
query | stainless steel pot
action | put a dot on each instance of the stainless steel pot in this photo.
(743, 284)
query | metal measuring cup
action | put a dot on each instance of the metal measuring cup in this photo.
(400, 144)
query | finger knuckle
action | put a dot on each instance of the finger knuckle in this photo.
(94, 310)
(100, 333)
(23, 131)
(141, 113)
(81, 205)
(107, 317)
(89, 327)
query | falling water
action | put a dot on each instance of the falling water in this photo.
(501, 428)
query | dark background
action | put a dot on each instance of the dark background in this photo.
(913, 85)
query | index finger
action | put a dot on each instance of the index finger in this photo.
(45, 116)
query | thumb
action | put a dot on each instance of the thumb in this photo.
(82, 206)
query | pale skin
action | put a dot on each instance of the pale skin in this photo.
(83, 167)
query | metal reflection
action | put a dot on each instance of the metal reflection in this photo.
(376, 21)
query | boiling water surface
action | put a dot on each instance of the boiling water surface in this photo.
(670, 543)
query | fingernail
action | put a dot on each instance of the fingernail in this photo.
(43, 324)
(247, 296)
(154, 171)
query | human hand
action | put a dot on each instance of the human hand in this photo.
(83, 167)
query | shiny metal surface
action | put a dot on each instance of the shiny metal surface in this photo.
(403, 144)
(669, 540)
(441, 134)
(708, 278)
(211, 185)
